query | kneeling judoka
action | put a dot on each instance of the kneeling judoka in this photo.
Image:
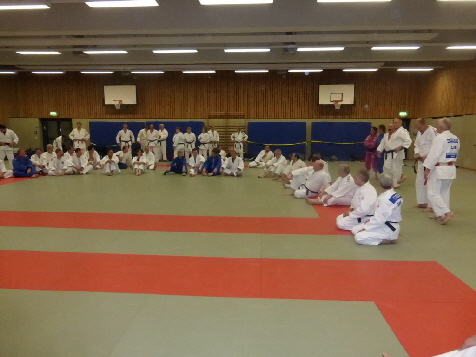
(362, 205)
(384, 226)
(234, 165)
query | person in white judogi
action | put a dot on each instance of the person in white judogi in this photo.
(8, 139)
(178, 142)
(234, 165)
(214, 139)
(195, 163)
(59, 165)
(38, 160)
(153, 141)
(393, 143)
(294, 164)
(263, 157)
(384, 226)
(110, 163)
(58, 143)
(426, 134)
(190, 142)
(204, 139)
(440, 170)
(139, 163)
(142, 137)
(125, 137)
(93, 157)
(149, 158)
(79, 163)
(68, 155)
(239, 138)
(271, 166)
(125, 157)
(363, 203)
(162, 149)
(46, 157)
(316, 183)
(4, 173)
(299, 176)
(79, 136)
(340, 193)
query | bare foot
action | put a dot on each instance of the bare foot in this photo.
(314, 201)
(428, 209)
(34, 176)
(446, 218)
(403, 178)
(388, 241)
(421, 205)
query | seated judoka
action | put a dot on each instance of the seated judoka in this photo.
(282, 171)
(93, 157)
(149, 158)
(271, 166)
(195, 163)
(297, 177)
(234, 165)
(4, 173)
(58, 165)
(47, 156)
(39, 161)
(384, 226)
(212, 166)
(79, 163)
(139, 163)
(70, 153)
(340, 193)
(110, 163)
(178, 164)
(316, 183)
(22, 165)
(263, 157)
(223, 154)
(362, 205)
(125, 157)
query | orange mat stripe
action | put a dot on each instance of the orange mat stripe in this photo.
(171, 223)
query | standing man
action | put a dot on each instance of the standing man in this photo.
(79, 137)
(153, 140)
(190, 142)
(178, 142)
(8, 139)
(393, 144)
(162, 149)
(440, 170)
(426, 134)
(214, 139)
(125, 137)
(204, 139)
(239, 138)
(263, 157)
(142, 137)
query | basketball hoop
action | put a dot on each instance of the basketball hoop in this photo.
(337, 103)
(117, 103)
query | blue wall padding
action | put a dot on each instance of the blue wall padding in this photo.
(277, 133)
(103, 133)
(340, 132)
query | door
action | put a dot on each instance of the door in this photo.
(52, 128)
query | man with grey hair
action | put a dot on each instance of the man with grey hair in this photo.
(393, 144)
(384, 226)
(440, 170)
(340, 193)
(316, 183)
(426, 134)
(272, 165)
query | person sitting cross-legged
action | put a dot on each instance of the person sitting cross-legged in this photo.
(178, 164)
(22, 165)
(195, 163)
(234, 165)
(110, 164)
(212, 167)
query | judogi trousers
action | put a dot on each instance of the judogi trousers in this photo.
(375, 236)
(111, 167)
(337, 201)
(85, 171)
(203, 150)
(7, 152)
(254, 164)
(161, 151)
(393, 167)
(420, 187)
(439, 195)
(177, 148)
(347, 223)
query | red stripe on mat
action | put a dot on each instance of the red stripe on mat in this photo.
(13, 180)
(171, 223)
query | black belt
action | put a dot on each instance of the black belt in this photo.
(389, 225)
(389, 152)
(308, 190)
(360, 219)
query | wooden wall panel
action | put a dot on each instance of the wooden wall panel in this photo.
(175, 95)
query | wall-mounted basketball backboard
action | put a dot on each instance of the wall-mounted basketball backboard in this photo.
(329, 93)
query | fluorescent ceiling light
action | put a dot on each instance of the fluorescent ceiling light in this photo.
(24, 7)
(415, 69)
(252, 71)
(390, 48)
(38, 52)
(176, 51)
(124, 3)
(147, 72)
(193, 71)
(459, 0)
(467, 47)
(319, 49)
(8, 72)
(104, 52)
(47, 72)
(246, 50)
(354, 0)
(235, 2)
(97, 72)
(360, 70)
(304, 70)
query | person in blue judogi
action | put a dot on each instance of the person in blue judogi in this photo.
(22, 165)
(212, 166)
(178, 164)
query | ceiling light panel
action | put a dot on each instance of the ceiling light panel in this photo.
(319, 49)
(125, 3)
(16, 6)
(305, 70)
(464, 47)
(176, 51)
(246, 50)
(394, 48)
(105, 52)
(38, 52)
(415, 69)
(198, 72)
(235, 2)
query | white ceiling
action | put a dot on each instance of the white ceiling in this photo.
(70, 27)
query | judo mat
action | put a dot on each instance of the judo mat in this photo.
(133, 267)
